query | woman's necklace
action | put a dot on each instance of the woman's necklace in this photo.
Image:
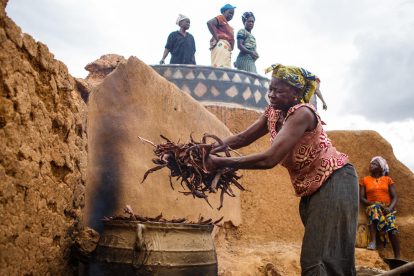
(378, 181)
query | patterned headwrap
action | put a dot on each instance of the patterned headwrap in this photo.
(297, 77)
(383, 164)
(180, 18)
(247, 15)
(226, 7)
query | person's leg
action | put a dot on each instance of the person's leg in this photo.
(330, 216)
(374, 214)
(215, 54)
(227, 55)
(373, 232)
(221, 54)
(312, 240)
(395, 240)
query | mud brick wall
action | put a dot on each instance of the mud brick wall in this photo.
(133, 100)
(42, 156)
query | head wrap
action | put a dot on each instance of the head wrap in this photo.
(226, 7)
(297, 77)
(247, 15)
(383, 164)
(180, 18)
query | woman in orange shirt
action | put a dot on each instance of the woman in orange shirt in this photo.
(378, 194)
(222, 42)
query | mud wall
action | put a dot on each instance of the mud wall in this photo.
(270, 209)
(133, 100)
(42, 156)
(362, 146)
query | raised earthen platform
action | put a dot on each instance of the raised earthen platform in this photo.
(218, 85)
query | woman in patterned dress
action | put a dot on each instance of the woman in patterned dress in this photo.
(377, 192)
(222, 42)
(246, 43)
(323, 177)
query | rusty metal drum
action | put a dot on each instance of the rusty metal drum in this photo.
(135, 248)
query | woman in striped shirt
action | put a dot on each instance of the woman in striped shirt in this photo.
(246, 43)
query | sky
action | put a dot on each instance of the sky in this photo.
(363, 51)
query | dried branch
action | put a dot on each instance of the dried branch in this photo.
(135, 217)
(187, 161)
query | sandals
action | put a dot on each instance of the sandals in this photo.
(371, 246)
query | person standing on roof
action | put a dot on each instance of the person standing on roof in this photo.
(246, 43)
(319, 94)
(222, 42)
(180, 44)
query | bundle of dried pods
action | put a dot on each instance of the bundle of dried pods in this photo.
(187, 162)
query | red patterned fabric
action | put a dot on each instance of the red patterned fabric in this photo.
(223, 31)
(313, 159)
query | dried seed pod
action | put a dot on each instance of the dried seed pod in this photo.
(135, 217)
(187, 161)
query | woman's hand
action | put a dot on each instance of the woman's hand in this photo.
(211, 24)
(211, 163)
(166, 52)
(387, 211)
(254, 55)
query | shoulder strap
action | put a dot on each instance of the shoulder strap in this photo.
(222, 20)
(296, 107)
(271, 113)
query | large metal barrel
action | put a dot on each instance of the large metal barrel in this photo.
(151, 248)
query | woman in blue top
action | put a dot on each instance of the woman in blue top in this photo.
(247, 45)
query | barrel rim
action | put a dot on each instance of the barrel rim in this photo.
(160, 225)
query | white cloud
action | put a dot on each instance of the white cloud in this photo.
(382, 86)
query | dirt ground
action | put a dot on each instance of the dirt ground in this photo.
(240, 257)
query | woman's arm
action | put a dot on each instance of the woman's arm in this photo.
(211, 24)
(284, 141)
(195, 50)
(393, 197)
(319, 94)
(242, 48)
(257, 130)
(166, 52)
(363, 197)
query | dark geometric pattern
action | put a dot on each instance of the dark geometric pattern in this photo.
(211, 84)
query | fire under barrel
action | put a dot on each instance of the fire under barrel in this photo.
(152, 248)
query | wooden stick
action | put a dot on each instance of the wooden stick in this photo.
(399, 270)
